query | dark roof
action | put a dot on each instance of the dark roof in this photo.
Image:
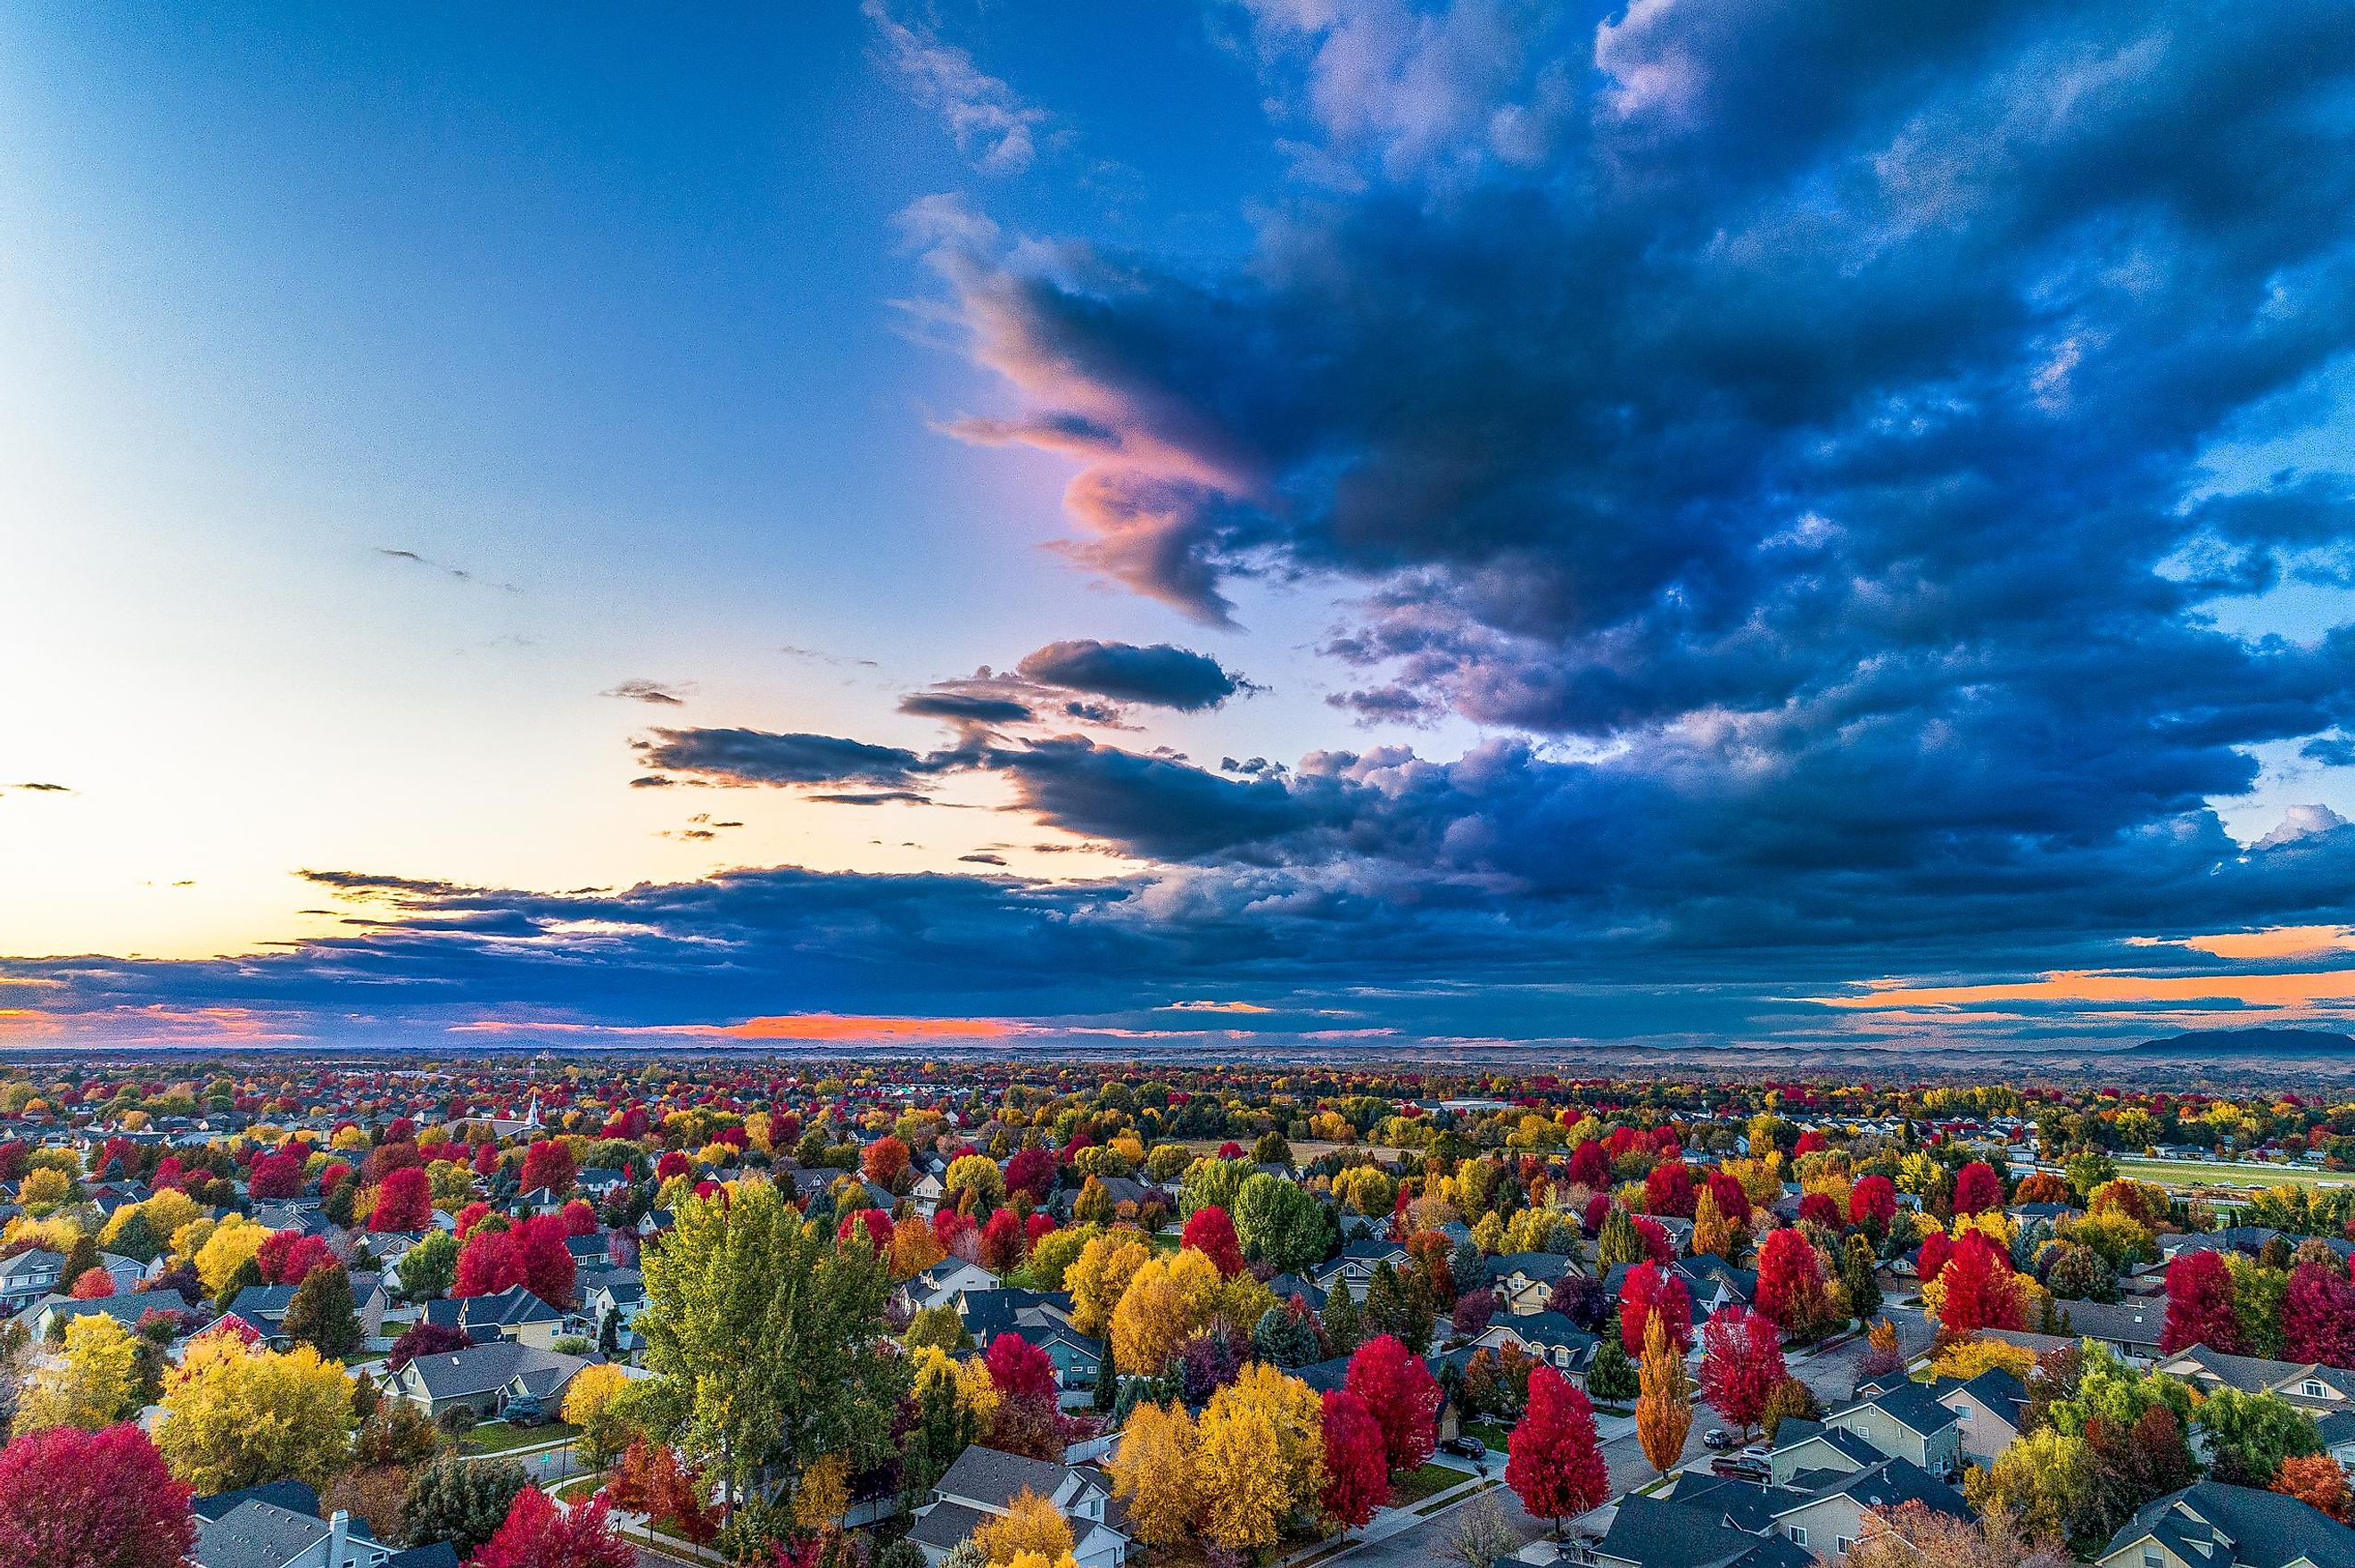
(2255, 1529)
(453, 1374)
(2134, 1321)
(256, 1534)
(1795, 1431)
(295, 1496)
(1656, 1533)
(441, 1555)
(994, 1477)
(944, 1525)
(508, 1309)
(1884, 1486)
(1912, 1403)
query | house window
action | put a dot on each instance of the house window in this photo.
(1842, 1545)
(2313, 1389)
(2151, 1558)
(1798, 1535)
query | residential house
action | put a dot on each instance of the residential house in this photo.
(1524, 1282)
(1353, 1267)
(512, 1314)
(941, 1284)
(1548, 1337)
(1990, 1411)
(28, 1277)
(984, 1483)
(497, 1378)
(1827, 1514)
(2211, 1525)
(1681, 1532)
(278, 1525)
(1906, 1422)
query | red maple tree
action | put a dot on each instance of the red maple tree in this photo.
(1977, 1189)
(1981, 1292)
(1357, 1461)
(2200, 1305)
(404, 1201)
(536, 1535)
(1648, 1288)
(1790, 1281)
(548, 1163)
(1741, 1363)
(1212, 1233)
(1553, 1462)
(71, 1499)
(1401, 1395)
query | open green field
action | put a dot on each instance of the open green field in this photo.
(2206, 1173)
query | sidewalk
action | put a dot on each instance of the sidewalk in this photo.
(1390, 1521)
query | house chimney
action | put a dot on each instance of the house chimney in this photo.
(339, 1536)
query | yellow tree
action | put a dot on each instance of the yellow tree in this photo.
(1029, 1524)
(1165, 1304)
(1261, 1457)
(914, 1248)
(1712, 1231)
(232, 1245)
(1100, 1275)
(588, 1404)
(91, 1384)
(1154, 1469)
(236, 1417)
(824, 1495)
(1664, 1400)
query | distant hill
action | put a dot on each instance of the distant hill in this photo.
(2249, 1042)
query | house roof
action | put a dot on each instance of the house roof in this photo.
(1883, 1486)
(511, 1308)
(1794, 1430)
(944, 1525)
(1657, 1533)
(993, 1478)
(257, 1534)
(2210, 1521)
(2256, 1374)
(455, 1374)
(1911, 1402)
(2134, 1321)
(293, 1496)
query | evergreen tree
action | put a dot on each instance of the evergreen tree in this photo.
(1343, 1328)
(135, 1238)
(320, 1315)
(1857, 1275)
(1619, 1242)
(1612, 1377)
(460, 1501)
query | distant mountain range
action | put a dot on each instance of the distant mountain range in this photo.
(2216, 1042)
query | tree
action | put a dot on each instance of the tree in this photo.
(1262, 1457)
(1357, 1461)
(397, 1434)
(1646, 1292)
(1397, 1389)
(1031, 1523)
(1977, 1189)
(1481, 1538)
(1553, 1462)
(1872, 1203)
(1612, 1376)
(2250, 1434)
(237, 1417)
(2319, 1314)
(1664, 1408)
(2044, 1483)
(93, 1284)
(1279, 1223)
(1209, 1232)
(404, 1201)
(1285, 1337)
(2315, 1480)
(71, 1499)
(536, 1535)
(1914, 1535)
(588, 1405)
(773, 1334)
(2200, 1305)
(548, 1164)
(428, 1270)
(1976, 1289)
(1741, 1363)
(89, 1385)
(1099, 1276)
(1859, 1277)
(287, 1257)
(1164, 1305)
(1963, 1359)
(1791, 1398)
(1154, 1469)
(320, 1314)
(884, 1162)
(234, 1243)
(426, 1339)
(1791, 1283)
(460, 1501)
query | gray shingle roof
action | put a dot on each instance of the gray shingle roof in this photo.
(256, 1534)
(2212, 1521)
(455, 1374)
(993, 1478)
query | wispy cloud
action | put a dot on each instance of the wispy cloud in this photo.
(990, 122)
(456, 573)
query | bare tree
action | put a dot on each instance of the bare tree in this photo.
(1481, 1535)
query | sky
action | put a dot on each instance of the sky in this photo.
(1349, 522)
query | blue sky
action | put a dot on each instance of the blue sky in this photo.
(1739, 522)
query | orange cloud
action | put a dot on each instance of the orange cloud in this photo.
(1214, 1008)
(2089, 985)
(2279, 942)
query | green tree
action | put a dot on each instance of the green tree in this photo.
(1863, 1285)
(1612, 1377)
(460, 1501)
(2251, 1434)
(774, 1336)
(320, 1314)
(1343, 1328)
(428, 1269)
(1279, 1223)
(1619, 1243)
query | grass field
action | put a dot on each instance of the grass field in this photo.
(1417, 1485)
(498, 1437)
(2206, 1173)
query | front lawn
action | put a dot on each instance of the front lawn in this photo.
(1495, 1436)
(499, 1438)
(1416, 1484)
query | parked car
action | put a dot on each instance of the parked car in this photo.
(1464, 1447)
(1717, 1438)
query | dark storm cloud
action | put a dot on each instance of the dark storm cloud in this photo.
(756, 757)
(1162, 674)
(965, 708)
